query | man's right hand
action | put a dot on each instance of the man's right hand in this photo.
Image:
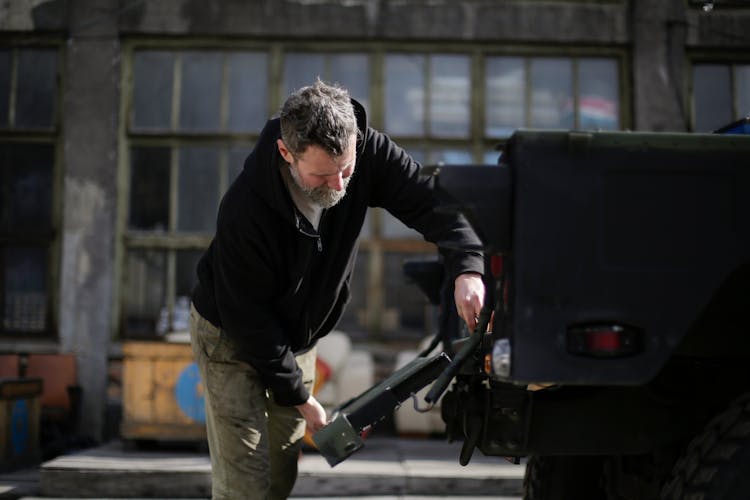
(313, 413)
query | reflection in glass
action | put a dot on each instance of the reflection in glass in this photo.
(152, 89)
(36, 88)
(26, 191)
(712, 96)
(352, 71)
(450, 95)
(302, 69)
(505, 95)
(198, 189)
(200, 98)
(598, 98)
(404, 94)
(145, 291)
(552, 93)
(5, 65)
(24, 271)
(248, 91)
(149, 188)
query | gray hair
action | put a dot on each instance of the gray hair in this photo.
(320, 115)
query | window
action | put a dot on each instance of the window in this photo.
(350, 70)
(551, 92)
(721, 94)
(193, 117)
(194, 114)
(28, 108)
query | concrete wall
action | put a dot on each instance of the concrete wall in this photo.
(656, 34)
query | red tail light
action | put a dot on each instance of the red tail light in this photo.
(603, 340)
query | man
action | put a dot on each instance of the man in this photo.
(276, 276)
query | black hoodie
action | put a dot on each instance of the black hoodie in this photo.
(274, 285)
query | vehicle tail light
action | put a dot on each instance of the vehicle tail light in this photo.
(603, 340)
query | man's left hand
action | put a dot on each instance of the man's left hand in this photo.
(469, 297)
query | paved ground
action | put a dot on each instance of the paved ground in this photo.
(386, 469)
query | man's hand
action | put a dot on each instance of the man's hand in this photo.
(469, 297)
(313, 413)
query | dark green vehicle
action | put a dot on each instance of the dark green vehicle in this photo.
(618, 360)
(613, 351)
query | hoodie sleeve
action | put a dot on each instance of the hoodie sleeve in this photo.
(245, 288)
(398, 187)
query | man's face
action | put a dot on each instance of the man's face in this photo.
(322, 177)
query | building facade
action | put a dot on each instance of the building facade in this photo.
(122, 123)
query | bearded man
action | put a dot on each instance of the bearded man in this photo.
(276, 278)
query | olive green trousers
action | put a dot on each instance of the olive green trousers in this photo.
(254, 443)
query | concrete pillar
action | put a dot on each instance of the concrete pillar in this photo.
(89, 128)
(659, 62)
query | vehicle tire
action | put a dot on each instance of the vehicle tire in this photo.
(716, 463)
(564, 478)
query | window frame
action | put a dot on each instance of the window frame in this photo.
(730, 60)
(49, 136)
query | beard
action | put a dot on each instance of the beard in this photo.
(322, 196)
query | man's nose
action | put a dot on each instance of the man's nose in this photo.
(336, 182)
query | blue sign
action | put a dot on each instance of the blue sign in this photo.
(189, 393)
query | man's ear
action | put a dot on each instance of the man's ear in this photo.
(284, 151)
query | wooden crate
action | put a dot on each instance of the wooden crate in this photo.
(19, 422)
(162, 393)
